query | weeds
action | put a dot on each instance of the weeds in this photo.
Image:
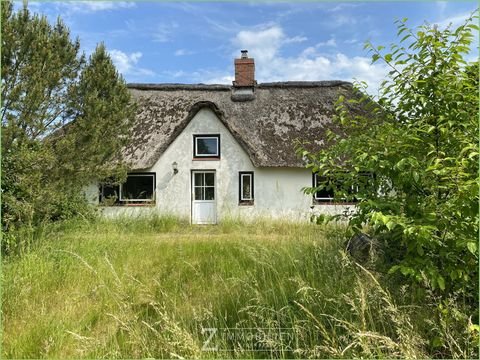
(152, 287)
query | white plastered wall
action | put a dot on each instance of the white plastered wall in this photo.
(278, 191)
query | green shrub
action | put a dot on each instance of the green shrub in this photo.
(413, 159)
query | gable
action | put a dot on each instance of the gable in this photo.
(204, 123)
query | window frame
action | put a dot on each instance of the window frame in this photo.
(341, 201)
(320, 199)
(204, 186)
(141, 174)
(119, 200)
(241, 199)
(206, 156)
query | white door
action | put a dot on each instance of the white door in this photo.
(204, 209)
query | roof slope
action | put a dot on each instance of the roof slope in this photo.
(266, 127)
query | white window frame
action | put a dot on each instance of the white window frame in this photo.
(353, 187)
(121, 198)
(212, 136)
(315, 194)
(251, 176)
(203, 187)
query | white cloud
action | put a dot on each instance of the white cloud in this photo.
(295, 39)
(205, 76)
(441, 6)
(329, 42)
(126, 64)
(220, 79)
(164, 32)
(306, 68)
(94, 6)
(453, 20)
(264, 43)
(174, 74)
(123, 61)
(220, 27)
(183, 52)
(338, 20)
(312, 64)
(342, 7)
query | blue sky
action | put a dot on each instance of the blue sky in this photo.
(196, 42)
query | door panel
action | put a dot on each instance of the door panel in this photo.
(204, 208)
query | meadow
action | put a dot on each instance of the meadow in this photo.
(162, 288)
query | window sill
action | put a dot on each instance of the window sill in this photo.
(326, 202)
(209, 158)
(246, 203)
(127, 205)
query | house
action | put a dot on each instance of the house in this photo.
(209, 152)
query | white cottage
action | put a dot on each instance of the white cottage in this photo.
(209, 152)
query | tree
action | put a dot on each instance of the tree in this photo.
(64, 119)
(419, 146)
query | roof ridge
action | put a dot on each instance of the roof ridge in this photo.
(305, 84)
(223, 87)
(175, 86)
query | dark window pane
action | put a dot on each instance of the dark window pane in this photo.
(209, 179)
(138, 187)
(210, 193)
(246, 187)
(110, 192)
(323, 193)
(198, 193)
(207, 146)
(198, 179)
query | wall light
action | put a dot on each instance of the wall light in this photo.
(175, 167)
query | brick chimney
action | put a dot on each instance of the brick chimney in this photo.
(244, 71)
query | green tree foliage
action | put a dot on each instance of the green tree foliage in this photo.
(419, 145)
(64, 119)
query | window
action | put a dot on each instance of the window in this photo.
(139, 188)
(327, 193)
(324, 194)
(204, 185)
(246, 194)
(206, 146)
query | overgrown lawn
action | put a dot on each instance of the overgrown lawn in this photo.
(159, 287)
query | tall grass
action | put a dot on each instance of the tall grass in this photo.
(159, 287)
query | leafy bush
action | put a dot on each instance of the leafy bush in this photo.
(419, 144)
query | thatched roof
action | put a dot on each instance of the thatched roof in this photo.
(266, 127)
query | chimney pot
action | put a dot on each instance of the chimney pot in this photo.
(244, 54)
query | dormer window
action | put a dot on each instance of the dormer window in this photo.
(206, 146)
